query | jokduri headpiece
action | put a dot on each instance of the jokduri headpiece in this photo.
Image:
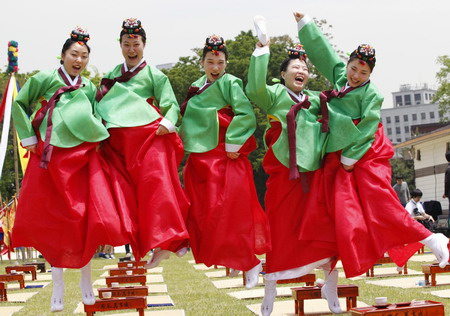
(215, 44)
(297, 52)
(80, 35)
(132, 27)
(365, 53)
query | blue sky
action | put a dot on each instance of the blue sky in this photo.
(408, 35)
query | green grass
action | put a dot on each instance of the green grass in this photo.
(192, 291)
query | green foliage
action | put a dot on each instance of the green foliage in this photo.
(442, 95)
(405, 168)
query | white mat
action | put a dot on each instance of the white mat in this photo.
(287, 308)
(168, 312)
(383, 272)
(441, 293)
(201, 266)
(430, 258)
(9, 310)
(410, 282)
(259, 293)
(20, 297)
(230, 283)
(216, 274)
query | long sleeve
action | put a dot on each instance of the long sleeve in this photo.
(256, 88)
(243, 124)
(167, 102)
(370, 118)
(33, 89)
(320, 52)
(447, 181)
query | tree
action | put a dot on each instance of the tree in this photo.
(442, 95)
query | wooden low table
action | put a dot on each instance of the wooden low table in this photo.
(39, 265)
(383, 261)
(124, 264)
(433, 269)
(138, 303)
(3, 295)
(13, 277)
(121, 279)
(300, 294)
(124, 291)
(30, 269)
(309, 279)
(419, 308)
(123, 271)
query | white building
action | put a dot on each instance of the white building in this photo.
(428, 152)
(412, 106)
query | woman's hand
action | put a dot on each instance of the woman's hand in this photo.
(260, 45)
(162, 130)
(348, 168)
(233, 155)
(31, 148)
(298, 16)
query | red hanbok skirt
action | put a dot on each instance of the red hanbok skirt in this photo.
(143, 168)
(285, 208)
(226, 223)
(67, 210)
(363, 217)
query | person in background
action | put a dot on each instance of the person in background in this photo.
(416, 210)
(447, 179)
(401, 188)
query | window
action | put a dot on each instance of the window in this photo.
(405, 118)
(398, 100)
(388, 119)
(414, 117)
(423, 116)
(418, 156)
(417, 98)
(431, 115)
(389, 131)
(399, 140)
(397, 130)
(406, 129)
(426, 96)
(407, 99)
(448, 147)
(397, 119)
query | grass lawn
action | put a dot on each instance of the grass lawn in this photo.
(192, 291)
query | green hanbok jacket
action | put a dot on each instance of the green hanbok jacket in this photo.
(73, 117)
(199, 129)
(276, 101)
(362, 104)
(125, 104)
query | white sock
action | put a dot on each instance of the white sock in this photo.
(329, 290)
(182, 252)
(270, 292)
(158, 256)
(438, 245)
(57, 300)
(252, 276)
(234, 273)
(87, 293)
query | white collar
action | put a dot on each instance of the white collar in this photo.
(347, 86)
(135, 67)
(72, 81)
(300, 97)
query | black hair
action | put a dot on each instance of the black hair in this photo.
(69, 42)
(369, 63)
(416, 193)
(399, 177)
(141, 33)
(206, 50)
(447, 155)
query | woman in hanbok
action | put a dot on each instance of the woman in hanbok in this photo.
(139, 108)
(226, 223)
(66, 208)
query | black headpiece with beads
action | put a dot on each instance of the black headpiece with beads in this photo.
(365, 53)
(215, 44)
(80, 35)
(297, 52)
(132, 27)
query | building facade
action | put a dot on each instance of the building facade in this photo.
(412, 106)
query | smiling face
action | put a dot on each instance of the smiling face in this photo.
(296, 75)
(132, 50)
(75, 59)
(214, 65)
(358, 72)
